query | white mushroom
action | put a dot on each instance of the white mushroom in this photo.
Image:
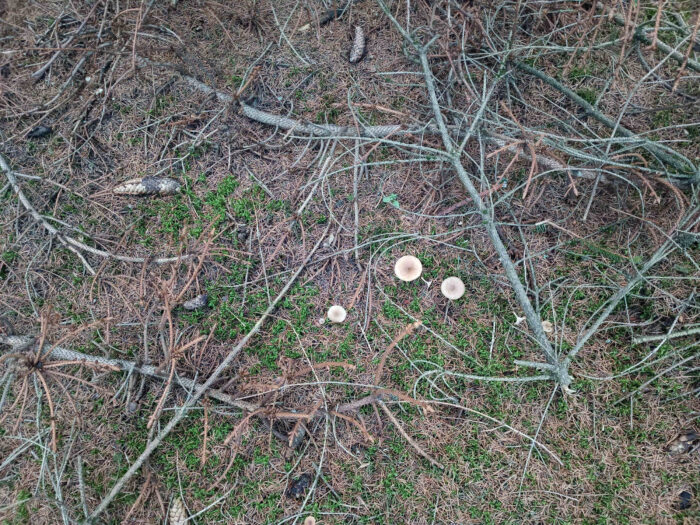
(337, 314)
(452, 288)
(408, 268)
(547, 327)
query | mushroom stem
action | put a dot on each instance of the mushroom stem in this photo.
(447, 307)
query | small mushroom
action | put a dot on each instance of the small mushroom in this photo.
(408, 268)
(337, 314)
(547, 327)
(310, 520)
(452, 288)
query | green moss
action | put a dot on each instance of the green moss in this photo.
(589, 95)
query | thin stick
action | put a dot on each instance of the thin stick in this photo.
(164, 395)
(203, 460)
(81, 484)
(534, 438)
(355, 204)
(663, 337)
(406, 330)
(52, 414)
(657, 24)
(410, 441)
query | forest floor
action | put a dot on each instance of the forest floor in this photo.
(413, 410)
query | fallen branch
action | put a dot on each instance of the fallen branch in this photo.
(70, 243)
(202, 389)
(20, 344)
(43, 69)
(664, 337)
(559, 372)
(661, 254)
(669, 156)
(360, 131)
(640, 35)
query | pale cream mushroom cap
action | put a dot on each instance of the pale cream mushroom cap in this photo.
(452, 288)
(408, 268)
(337, 314)
(310, 520)
(547, 327)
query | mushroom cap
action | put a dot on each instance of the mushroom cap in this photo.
(310, 520)
(408, 268)
(337, 314)
(547, 327)
(452, 288)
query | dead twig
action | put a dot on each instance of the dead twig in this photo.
(69, 242)
(403, 333)
(43, 69)
(669, 156)
(408, 438)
